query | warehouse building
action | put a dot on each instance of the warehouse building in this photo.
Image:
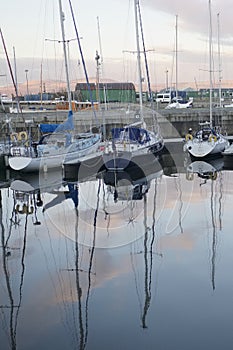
(106, 92)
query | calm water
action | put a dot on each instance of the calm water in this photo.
(119, 261)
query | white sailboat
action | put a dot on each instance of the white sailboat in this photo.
(180, 104)
(135, 139)
(208, 140)
(59, 146)
(176, 102)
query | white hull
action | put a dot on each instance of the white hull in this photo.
(178, 105)
(43, 163)
(201, 148)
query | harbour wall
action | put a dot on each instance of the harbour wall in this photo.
(173, 123)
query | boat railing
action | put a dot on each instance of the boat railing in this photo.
(23, 151)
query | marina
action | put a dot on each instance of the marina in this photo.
(115, 183)
(173, 123)
(109, 259)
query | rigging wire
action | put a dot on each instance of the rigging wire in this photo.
(83, 62)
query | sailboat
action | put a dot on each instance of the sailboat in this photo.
(134, 139)
(208, 140)
(176, 101)
(59, 146)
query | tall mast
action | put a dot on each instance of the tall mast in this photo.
(62, 18)
(176, 57)
(219, 65)
(41, 88)
(136, 3)
(100, 45)
(83, 61)
(9, 64)
(145, 55)
(210, 62)
(16, 81)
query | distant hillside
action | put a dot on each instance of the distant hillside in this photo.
(34, 86)
(58, 86)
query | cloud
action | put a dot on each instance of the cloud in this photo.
(194, 15)
(159, 30)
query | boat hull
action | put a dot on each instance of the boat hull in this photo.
(120, 160)
(43, 163)
(201, 149)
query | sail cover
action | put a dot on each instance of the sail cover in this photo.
(66, 126)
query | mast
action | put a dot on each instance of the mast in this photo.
(210, 63)
(100, 45)
(10, 69)
(145, 55)
(101, 64)
(62, 18)
(41, 90)
(99, 61)
(136, 3)
(83, 62)
(97, 58)
(176, 57)
(219, 65)
(16, 80)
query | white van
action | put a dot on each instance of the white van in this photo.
(166, 97)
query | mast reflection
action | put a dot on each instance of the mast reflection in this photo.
(211, 171)
(133, 187)
(82, 284)
(7, 251)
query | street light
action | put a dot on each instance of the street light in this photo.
(26, 72)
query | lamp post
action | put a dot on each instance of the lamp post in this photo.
(26, 72)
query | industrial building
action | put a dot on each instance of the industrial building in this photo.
(106, 92)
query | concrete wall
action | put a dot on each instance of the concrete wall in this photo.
(173, 123)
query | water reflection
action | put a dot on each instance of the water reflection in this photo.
(12, 295)
(211, 171)
(162, 221)
(149, 249)
(82, 286)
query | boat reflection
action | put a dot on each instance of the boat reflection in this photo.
(11, 300)
(211, 171)
(77, 219)
(133, 185)
(30, 190)
(204, 169)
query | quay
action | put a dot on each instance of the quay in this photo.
(173, 123)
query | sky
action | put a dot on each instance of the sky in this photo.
(108, 26)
